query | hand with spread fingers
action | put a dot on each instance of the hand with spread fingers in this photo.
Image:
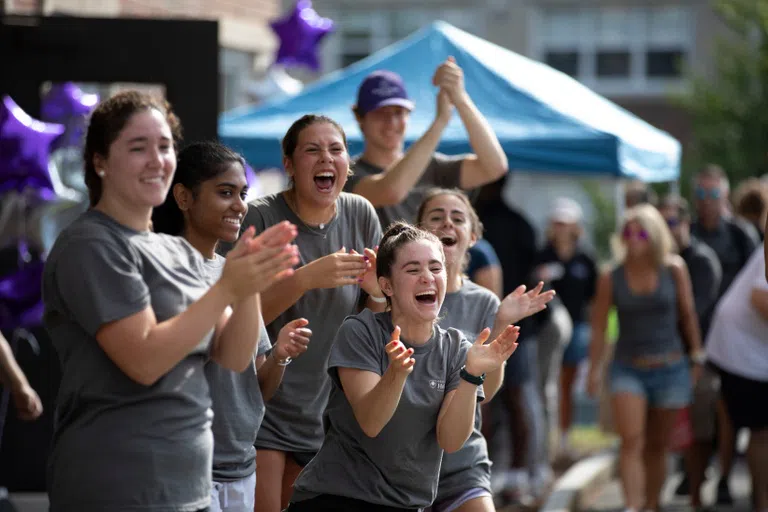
(521, 304)
(341, 268)
(274, 236)
(293, 339)
(252, 271)
(400, 360)
(487, 357)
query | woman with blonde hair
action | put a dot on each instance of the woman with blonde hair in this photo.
(649, 375)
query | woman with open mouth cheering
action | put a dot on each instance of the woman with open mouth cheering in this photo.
(465, 476)
(404, 389)
(336, 234)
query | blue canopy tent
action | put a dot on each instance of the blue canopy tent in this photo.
(546, 121)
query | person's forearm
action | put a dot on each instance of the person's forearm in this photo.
(374, 409)
(147, 358)
(482, 139)
(282, 295)
(237, 341)
(690, 328)
(270, 376)
(456, 424)
(11, 374)
(597, 343)
(400, 178)
(493, 382)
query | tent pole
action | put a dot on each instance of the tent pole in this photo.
(618, 199)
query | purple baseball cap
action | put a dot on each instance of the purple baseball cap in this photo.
(381, 89)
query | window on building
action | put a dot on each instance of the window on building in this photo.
(615, 47)
(363, 33)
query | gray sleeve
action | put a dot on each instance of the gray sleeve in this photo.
(265, 345)
(490, 315)
(445, 171)
(111, 289)
(372, 225)
(706, 275)
(355, 347)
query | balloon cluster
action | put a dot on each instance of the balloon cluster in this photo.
(35, 203)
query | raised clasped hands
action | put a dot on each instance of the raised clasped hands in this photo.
(449, 77)
(293, 339)
(521, 304)
(488, 357)
(368, 281)
(400, 360)
(257, 262)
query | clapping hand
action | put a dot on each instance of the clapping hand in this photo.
(293, 339)
(400, 360)
(487, 357)
(368, 281)
(521, 304)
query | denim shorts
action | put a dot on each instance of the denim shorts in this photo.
(664, 387)
(578, 348)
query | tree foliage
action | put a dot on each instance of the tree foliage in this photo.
(729, 108)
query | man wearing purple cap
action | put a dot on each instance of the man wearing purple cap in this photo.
(395, 181)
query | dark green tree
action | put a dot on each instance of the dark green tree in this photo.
(729, 108)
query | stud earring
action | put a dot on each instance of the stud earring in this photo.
(101, 173)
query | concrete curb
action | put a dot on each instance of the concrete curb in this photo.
(581, 480)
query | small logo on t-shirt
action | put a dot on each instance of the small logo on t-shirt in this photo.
(437, 384)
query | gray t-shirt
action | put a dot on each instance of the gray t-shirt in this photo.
(400, 466)
(443, 171)
(470, 309)
(119, 445)
(238, 406)
(294, 419)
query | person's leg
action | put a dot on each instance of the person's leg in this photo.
(757, 458)
(725, 450)
(629, 412)
(657, 436)
(290, 473)
(567, 380)
(703, 421)
(270, 466)
(516, 375)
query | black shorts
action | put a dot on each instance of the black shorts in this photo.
(742, 397)
(518, 370)
(302, 458)
(331, 503)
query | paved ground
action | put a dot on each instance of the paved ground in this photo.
(610, 498)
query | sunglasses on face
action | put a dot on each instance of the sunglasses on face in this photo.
(673, 222)
(704, 193)
(629, 233)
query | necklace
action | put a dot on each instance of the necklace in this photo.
(292, 204)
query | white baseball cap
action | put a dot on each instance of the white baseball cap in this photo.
(566, 210)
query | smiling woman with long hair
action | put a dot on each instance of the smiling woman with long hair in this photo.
(649, 376)
(206, 205)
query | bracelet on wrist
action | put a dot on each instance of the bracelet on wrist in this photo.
(477, 380)
(283, 362)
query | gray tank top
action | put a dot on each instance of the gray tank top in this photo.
(647, 323)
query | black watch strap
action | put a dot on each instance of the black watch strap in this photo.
(472, 379)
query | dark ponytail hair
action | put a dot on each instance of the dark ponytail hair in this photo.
(108, 120)
(397, 235)
(197, 163)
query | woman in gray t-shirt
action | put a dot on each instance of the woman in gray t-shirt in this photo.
(205, 205)
(465, 476)
(336, 234)
(134, 321)
(398, 403)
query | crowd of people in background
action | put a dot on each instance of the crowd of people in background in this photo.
(360, 340)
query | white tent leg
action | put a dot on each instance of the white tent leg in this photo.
(618, 200)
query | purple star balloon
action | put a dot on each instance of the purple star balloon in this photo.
(300, 33)
(67, 104)
(21, 297)
(25, 145)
